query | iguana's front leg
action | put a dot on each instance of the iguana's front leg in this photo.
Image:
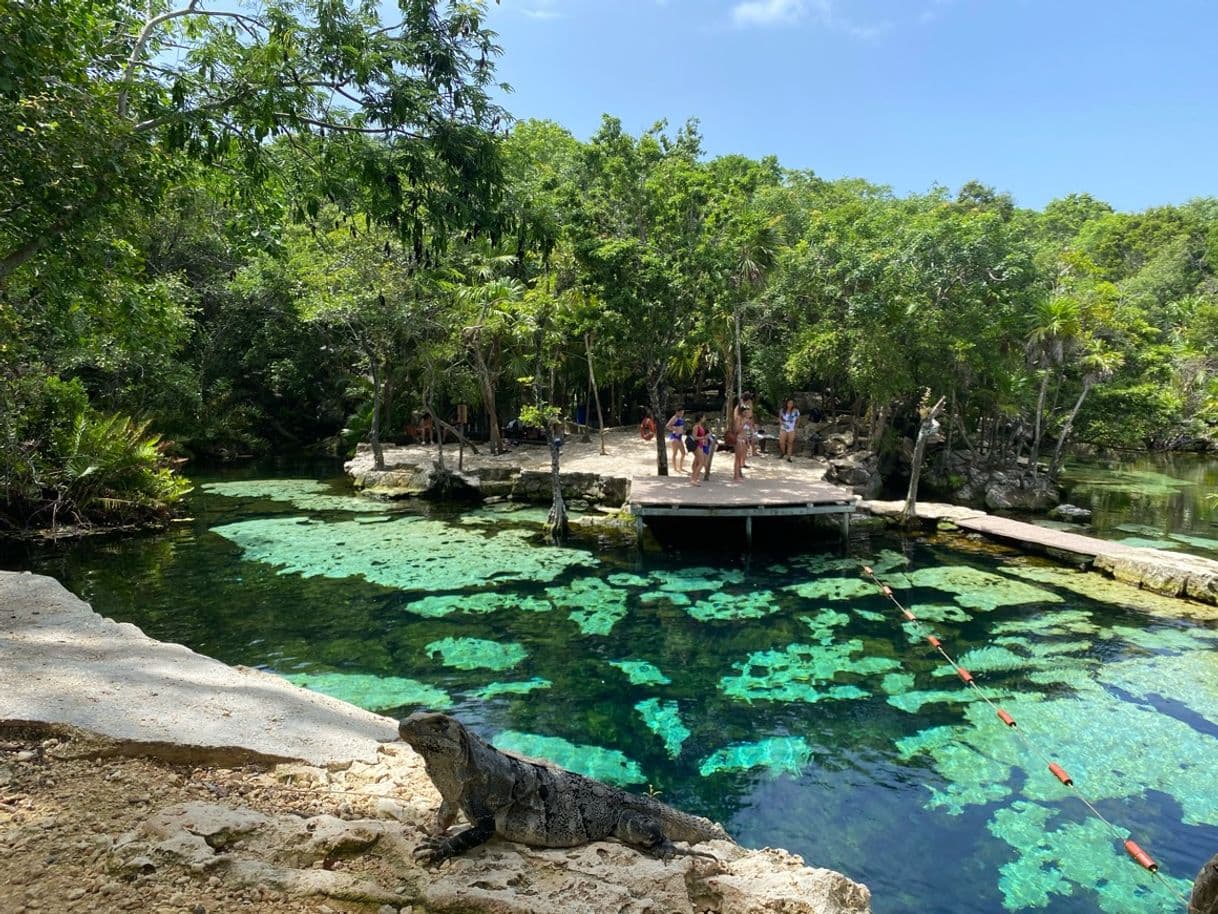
(437, 848)
(644, 833)
(445, 816)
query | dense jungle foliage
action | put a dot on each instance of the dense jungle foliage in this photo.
(226, 232)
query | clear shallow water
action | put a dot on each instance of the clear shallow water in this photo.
(785, 698)
(1156, 500)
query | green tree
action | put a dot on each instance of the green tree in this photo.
(638, 234)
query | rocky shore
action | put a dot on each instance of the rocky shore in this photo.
(140, 776)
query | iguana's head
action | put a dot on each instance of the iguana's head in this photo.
(434, 735)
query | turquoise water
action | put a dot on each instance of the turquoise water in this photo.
(783, 695)
(1164, 501)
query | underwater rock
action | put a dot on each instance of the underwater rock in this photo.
(435, 607)
(495, 689)
(477, 653)
(372, 692)
(725, 606)
(305, 494)
(779, 754)
(803, 672)
(641, 672)
(597, 762)
(405, 553)
(663, 718)
(595, 606)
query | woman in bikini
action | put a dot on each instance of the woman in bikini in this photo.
(701, 435)
(676, 439)
(742, 425)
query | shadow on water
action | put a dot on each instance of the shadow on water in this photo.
(773, 690)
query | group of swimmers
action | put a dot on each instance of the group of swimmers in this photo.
(742, 437)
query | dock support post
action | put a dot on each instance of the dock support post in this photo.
(638, 530)
(748, 531)
(845, 526)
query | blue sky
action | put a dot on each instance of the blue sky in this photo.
(1035, 97)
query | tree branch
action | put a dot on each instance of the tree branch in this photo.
(137, 51)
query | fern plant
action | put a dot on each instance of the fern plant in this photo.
(111, 471)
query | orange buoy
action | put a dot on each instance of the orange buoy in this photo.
(934, 642)
(1006, 718)
(1140, 856)
(867, 571)
(887, 590)
(965, 675)
(908, 615)
(1060, 773)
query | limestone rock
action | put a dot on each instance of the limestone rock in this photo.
(326, 837)
(1072, 513)
(859, 471)
(1024, 495)
(772, 880)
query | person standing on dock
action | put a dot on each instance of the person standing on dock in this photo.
(742, 428)
(701, 436)
(676, 438)
(788, 418)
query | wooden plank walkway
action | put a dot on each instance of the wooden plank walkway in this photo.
(1172, 573)
(758, 496)
(1005, 528)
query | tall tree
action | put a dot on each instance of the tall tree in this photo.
(639, 235)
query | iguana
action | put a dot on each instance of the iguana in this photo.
(533, 802)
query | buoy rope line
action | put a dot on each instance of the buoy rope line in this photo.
(1135, 852)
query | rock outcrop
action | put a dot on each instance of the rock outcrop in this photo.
(391, 802)
(414, 471)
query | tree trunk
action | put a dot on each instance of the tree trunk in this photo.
(556, 522)
(374, 431)
(600, 419)
(486, 382)
(657, 412)
(730, 395)
(739, 363)
(928, 431)
(1038, 430)
(585, 435)
(1067, 428)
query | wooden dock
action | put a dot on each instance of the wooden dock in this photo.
(1171, 573)
(792, 495)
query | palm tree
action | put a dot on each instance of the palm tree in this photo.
(1057, 327)
(754, 254)
(1101, 364)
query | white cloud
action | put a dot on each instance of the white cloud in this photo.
(764, 13)
(768, 12)
(542, 9)
(934, 10)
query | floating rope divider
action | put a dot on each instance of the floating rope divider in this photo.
(1131, 847)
